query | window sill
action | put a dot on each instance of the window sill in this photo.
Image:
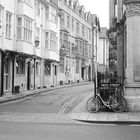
(24, 41)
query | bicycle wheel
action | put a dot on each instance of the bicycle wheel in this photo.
(117, 104)
(93, 104)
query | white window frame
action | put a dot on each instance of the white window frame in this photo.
(20, 66)
(72, 22)
(83, 31)
(1, 19)
(77, 27)
(26, 29)
(19, 29)
(68, 21)
(47, 12)
(53, 41)
(53, 15)
(62, 19)
(8, 24)
(46, 40)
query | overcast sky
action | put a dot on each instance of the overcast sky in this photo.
(99, 7)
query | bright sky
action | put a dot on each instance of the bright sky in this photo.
(99, 7)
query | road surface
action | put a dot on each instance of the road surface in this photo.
(46, 117)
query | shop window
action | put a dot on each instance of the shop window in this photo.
(37, 68)
(47, 68)
(20, 66)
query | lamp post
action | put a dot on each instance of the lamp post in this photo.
(34, 57)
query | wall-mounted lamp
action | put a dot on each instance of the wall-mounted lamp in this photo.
(37, 42)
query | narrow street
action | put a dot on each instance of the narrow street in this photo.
(46, 117)
(57, 101)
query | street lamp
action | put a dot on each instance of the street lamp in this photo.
(34, 57)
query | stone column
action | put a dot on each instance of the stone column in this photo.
(132, 88)
(120, 49)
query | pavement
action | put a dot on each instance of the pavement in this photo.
(104, 115)
(79, 113)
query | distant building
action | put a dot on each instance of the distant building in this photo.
(103, 51)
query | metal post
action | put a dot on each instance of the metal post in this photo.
(96, 75)
(34, 73)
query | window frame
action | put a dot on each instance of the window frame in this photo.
(20, 67)
(77, 27)
(8, 24)
(26, 29)
(68, 21)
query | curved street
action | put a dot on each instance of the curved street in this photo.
(55, 101)
(46, 116)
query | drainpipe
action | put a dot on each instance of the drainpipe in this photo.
(34, 73)
(13, 74)
(2, 73)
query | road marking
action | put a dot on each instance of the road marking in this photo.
(63, 108)
(135, 125)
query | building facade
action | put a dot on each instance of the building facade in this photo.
(126, 23)
(103, 51)
(75, 42)
(45, 43)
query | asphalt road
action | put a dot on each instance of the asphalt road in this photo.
(40, 118)
(39, 131)
(56, 101)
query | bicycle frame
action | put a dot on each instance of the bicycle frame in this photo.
(106, 103)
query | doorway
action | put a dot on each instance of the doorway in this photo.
(82, 73)
(28, 76)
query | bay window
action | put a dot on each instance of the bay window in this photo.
(46, 40)
(24, 29)
(51, 40)
(8, 24)
(51, 14)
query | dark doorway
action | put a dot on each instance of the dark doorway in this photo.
(82, 73)
(89, 73)
(28, 76)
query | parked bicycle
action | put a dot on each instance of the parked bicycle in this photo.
(110, 99)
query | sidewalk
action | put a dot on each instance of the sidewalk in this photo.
(80, 113)
(11, 97)
(108, 117)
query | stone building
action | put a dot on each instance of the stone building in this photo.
(76, 30)
(126, 24)
(45, 43)
(29, 42)
(103, 51)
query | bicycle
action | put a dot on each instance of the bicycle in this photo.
(114, 102)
